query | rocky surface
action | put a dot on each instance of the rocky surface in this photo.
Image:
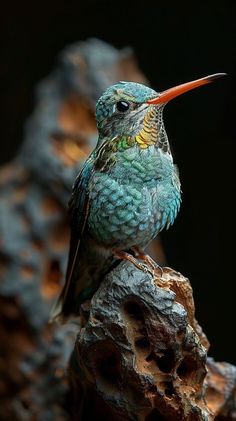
(143, 355)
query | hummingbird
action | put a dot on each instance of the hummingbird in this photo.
(127, 192)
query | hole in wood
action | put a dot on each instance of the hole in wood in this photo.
(166, 363)
(149, 358)
(169, 389)
(142, 344)
(133, 310)
(98, 317)
(186, 368)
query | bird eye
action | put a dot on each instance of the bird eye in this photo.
(122, 106)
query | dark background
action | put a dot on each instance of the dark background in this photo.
(174, 42)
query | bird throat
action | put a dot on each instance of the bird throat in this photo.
(149, 134)
(152, 133)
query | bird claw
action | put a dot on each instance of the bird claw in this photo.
(159, 268)
(145, 268)
(157, 272)
(148, 265)
(152, 266)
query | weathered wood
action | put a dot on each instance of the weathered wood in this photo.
(141, 354)
(34, 233)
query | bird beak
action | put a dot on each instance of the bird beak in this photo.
(171, 93)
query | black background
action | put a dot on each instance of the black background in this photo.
(174, 43)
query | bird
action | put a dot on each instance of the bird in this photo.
(127, 192)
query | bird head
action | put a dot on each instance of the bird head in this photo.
(133, 109)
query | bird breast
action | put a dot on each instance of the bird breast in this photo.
(123, 215)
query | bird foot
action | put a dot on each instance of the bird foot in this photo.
(140, 254)
(123, 255)
(148, 265)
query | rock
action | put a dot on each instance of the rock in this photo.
(142, 354)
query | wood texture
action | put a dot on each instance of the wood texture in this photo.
(142, 355)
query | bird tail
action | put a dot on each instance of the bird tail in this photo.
(81, 283)
(65, 304)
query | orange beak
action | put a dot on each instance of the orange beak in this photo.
(171, 93)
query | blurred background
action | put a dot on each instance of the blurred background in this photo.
(174, 42)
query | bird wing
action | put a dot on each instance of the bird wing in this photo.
(78, 212)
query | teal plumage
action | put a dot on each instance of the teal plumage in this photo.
(132, 203)
(127, 192)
